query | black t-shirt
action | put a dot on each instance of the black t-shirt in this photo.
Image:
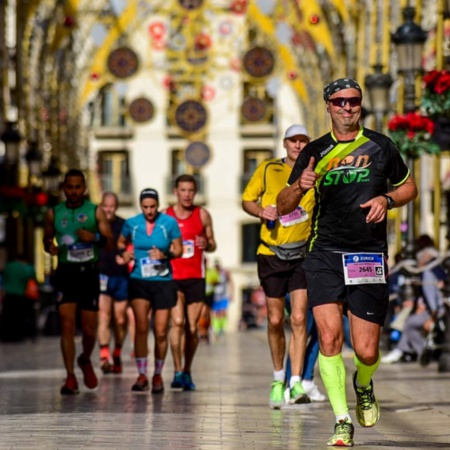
(108, 265)
(351, 173)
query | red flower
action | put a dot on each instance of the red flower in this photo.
(443, 83)
(431, 78)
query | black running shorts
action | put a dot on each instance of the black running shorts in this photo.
(194, 289)
(279, 277)
(77, 283)
(325, 276)
(161, 294)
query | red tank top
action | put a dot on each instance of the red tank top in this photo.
(192, 263)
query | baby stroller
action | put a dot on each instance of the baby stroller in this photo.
(434, 343)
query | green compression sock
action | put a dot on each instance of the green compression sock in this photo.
(332, 371)
(364, 373)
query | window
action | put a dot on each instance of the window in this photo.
(179, 166)
(114, 174)
(252, 159)
(112, 107)
(250, 242)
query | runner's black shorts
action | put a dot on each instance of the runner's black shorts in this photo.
(77, 283)
(325, 276)
(279, 277)
(193, 289)
(160, 294)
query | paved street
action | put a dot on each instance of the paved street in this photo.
(229, 410)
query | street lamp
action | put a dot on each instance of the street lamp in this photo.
(34, 159)
(378, 85)
(11, 138)
(52, 179)
(409, 40)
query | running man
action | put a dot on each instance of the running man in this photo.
(348, 170)
(189, 273)
(79, 228)
(113, 293)
(279, 259)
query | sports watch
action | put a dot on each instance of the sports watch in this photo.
(390, 201)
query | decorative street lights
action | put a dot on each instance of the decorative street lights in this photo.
(378, 85)
(409, 39)
(11, 138)
(34, 160)
(52, 181)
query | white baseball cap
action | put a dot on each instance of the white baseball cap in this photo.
(295, 130)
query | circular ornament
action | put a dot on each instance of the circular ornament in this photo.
(253, 109)
(122, 62)
(190, 4)
(191, 116)
(259, 62)
(197, 154)
(141, 110)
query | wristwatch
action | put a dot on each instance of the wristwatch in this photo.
(390, 201)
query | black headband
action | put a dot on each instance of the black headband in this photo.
(340, 85)
(148, 193)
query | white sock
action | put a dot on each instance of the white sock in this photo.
(279, 375)
(343, 417)
(294, 380)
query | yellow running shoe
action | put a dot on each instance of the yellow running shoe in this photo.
(367, 408)
(343, 434)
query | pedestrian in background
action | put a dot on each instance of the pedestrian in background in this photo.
(156, 240)
(74, 231)
(279, 259)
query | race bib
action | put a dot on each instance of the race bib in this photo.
(188, 248)
(80, 252)
(103, 282)
(153, 268)
(299, 215)
(363, 268)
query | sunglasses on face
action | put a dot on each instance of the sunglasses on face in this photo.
(342, 101)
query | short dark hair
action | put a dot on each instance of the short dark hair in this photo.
(185, 178)
(74, 173)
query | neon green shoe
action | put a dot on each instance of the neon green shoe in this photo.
(277, 395)
(298, 394)
(367, 408)
(343, 434)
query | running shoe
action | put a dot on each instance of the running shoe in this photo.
(70, 387)
(117, 364)
(105, 365)
(276, 400)
(188, 384)
(90, 379)
(343, 434)
(177, 382)
(141, 384)
(157, 384)
(367, 408)
(297, 394)
(312, 391)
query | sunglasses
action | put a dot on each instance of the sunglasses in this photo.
(342, 101)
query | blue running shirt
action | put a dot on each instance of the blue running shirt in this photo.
(165, 231)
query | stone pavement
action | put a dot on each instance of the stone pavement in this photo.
(229, 410)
